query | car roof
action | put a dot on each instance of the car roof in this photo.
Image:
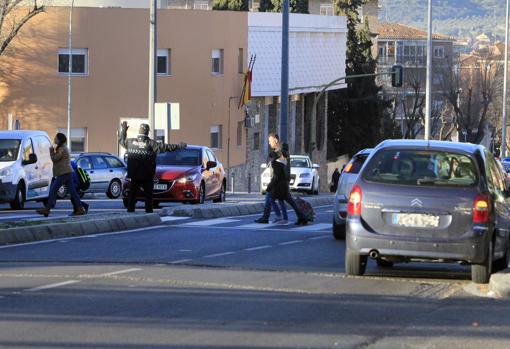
(300, 156)
(366, 151)
(21, 134)
(419, 143)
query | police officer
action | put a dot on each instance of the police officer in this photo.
(142, 152)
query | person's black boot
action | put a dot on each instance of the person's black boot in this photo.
(262, 220)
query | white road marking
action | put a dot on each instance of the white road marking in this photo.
(258, 248)
(314, 227)
(82, 237)
(6, 217)
(58, 284)
(172, 218)
(181, 261)
(219, 254)
(209, 222)
(290, 242)
(185, 250)
(125, 271)
(320, 237)
(256, 226)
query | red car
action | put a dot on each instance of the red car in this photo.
(188, 175)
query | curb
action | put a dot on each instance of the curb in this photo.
(84, 227)
(500, 283)
(220, 210)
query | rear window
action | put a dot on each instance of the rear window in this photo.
(182, 157)
(355, 165)
(423, 168)
(300, 163)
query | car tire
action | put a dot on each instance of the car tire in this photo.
(62, 192)
(481, 273)
(19, 199)
(125, 202)
(223, 194)
(114, 189)
(338, 231)
(316, 192)
(312, 190)
(355, 263)
(503, 263)
(201, 194)
(383, 263)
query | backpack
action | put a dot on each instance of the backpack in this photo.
(83, 179)
(306, 209)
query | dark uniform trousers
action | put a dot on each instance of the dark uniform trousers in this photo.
(148, 188)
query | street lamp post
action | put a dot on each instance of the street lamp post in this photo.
(284, 95)
(152, 66)
(505, 86)
(69, 75)
(428, 93)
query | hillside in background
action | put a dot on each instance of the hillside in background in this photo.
(458, 18)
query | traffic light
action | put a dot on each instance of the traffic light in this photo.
(397, 75)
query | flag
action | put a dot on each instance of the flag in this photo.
(246, 94)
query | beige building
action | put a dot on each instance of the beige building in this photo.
(201, 59)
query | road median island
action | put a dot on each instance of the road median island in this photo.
(500, 283)
(230, 209)
(21, 231)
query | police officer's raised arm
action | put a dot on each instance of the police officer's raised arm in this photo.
(123, 135)
(162, 147)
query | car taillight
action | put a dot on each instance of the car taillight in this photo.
(481, 209)
(348, 168)
(354, 204)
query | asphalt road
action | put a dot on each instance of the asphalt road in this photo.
(230, 283)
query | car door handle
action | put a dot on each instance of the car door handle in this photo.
(91, 171)
(111, 171)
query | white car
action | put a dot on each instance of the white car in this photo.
(304, 176)
(26, 169)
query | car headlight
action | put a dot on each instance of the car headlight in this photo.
(6, 172)
(188, 178)
(304, 175)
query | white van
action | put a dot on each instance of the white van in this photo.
(26, 169)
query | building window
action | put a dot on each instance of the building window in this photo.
(240, 61)
(326, 9)
(164, 67)
(201, 5)
(437, 79)
(256, 141)
(79, 62)
(216, 137)
(217, 61)
(240, 126)
(439, 52)
(78, 138)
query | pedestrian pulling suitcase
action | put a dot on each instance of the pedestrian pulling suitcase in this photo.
(306, 209)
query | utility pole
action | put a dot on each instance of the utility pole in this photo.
(284, 95)
(152, 66)
(69, 75)
(505, 87)
(428, 93)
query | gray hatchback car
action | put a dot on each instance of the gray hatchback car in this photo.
(429, 201)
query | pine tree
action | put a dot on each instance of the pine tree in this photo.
(295, 6)
(356, 112)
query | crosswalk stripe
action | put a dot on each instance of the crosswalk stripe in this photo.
(210, 222)
(173, 219)
(257, 226)
(314, 227)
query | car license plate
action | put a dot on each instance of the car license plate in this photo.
(160, 186)
(415, 220)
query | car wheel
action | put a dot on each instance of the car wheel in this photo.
(481, 273)
(19, 200)
(312, 190)
(125, 202)
(338, 231)
(223, 194)
(383, 263)
(503, 263)
(114, 189)
(62, 192)
(316, 192)
(355, 264)
(201, 194)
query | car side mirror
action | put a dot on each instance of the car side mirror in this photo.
(32, 159)
(263, 166)
(126, 158)
(315, 166)
(211, 164)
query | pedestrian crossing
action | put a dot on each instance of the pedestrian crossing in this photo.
(242, 224)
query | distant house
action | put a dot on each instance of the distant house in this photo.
(407, 45)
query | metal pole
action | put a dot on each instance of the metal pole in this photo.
(284, 98)
(428, 96)
(152, 65)
(505, 86)
(69, 74)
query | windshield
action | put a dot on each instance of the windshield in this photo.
(183, 157)
(302, 163)
(9, 149)
(356, 164)
(424, 168)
